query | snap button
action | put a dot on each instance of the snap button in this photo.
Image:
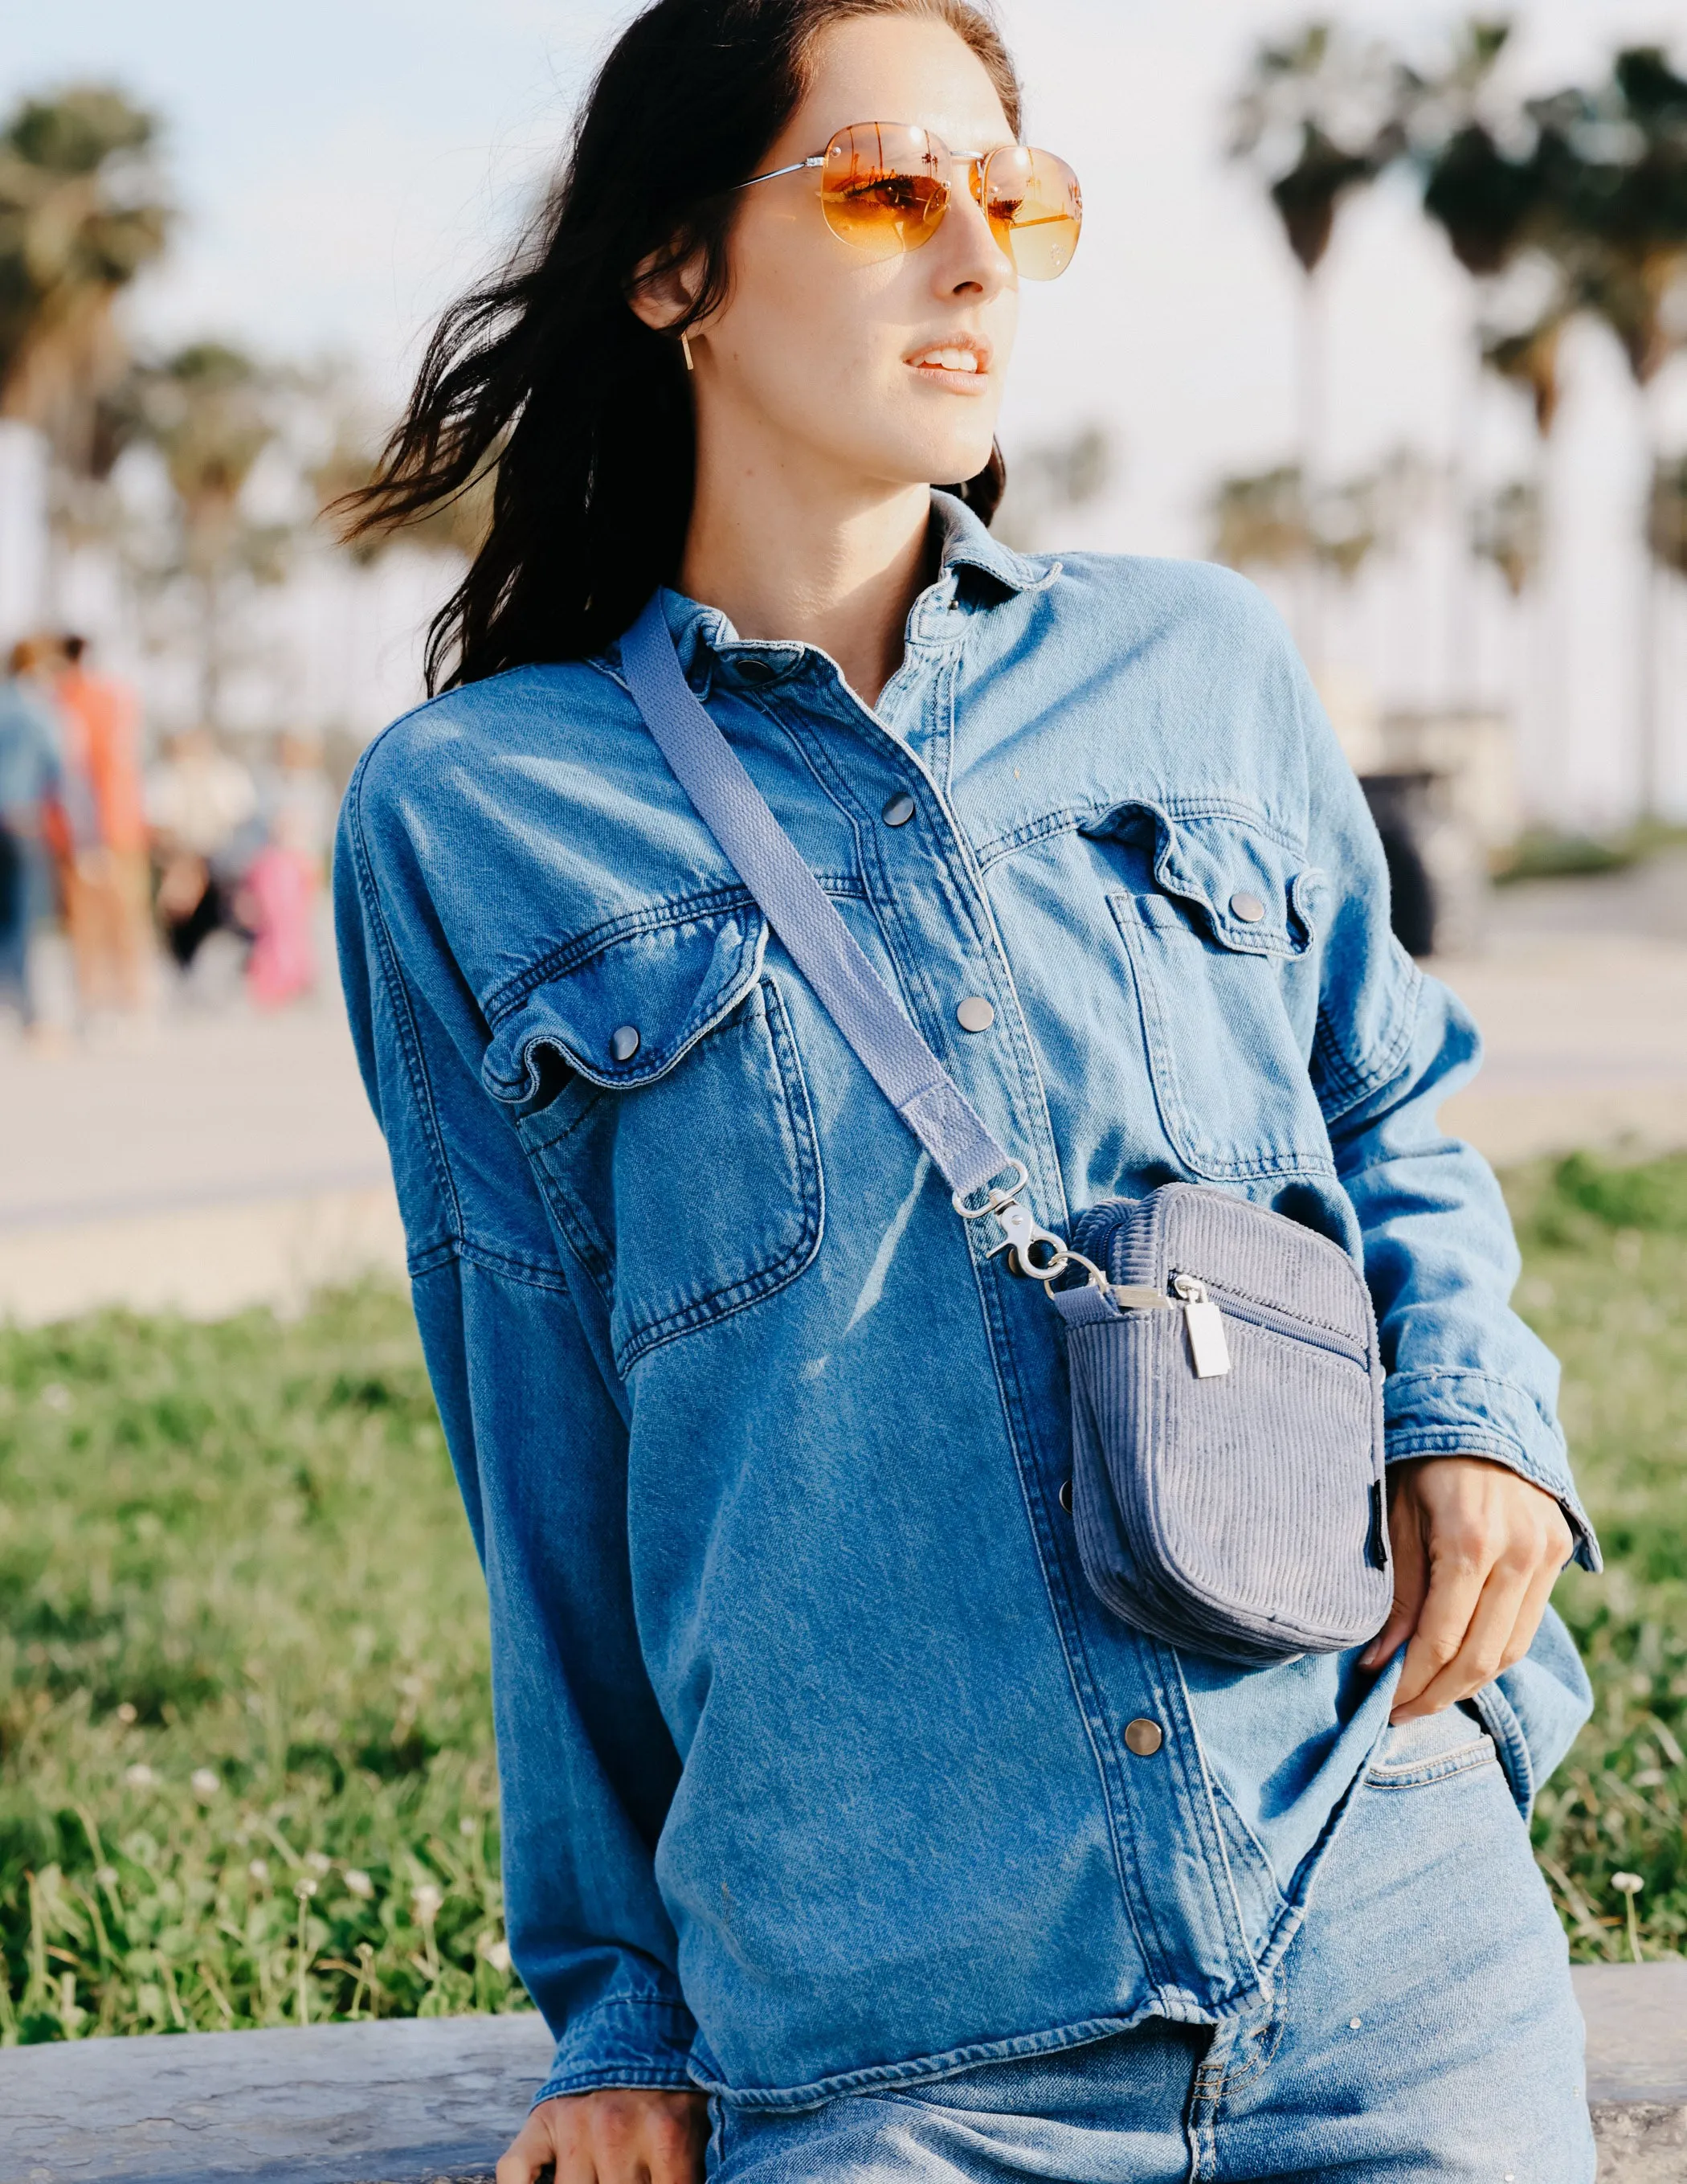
(1144, 1738)
(1066, 1496)
(752, 668)
(1248, 907)
(975, 1013)
(899, 810)
(624, 1042)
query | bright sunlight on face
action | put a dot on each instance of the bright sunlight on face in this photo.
(890, 370)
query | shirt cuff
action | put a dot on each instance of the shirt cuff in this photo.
(630, 2040)
(1463, 1413)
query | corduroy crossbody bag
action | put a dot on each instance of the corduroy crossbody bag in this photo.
(1227, 1427)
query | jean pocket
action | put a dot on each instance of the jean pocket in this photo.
(1430, 1749)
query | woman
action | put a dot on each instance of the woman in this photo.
(830, 1790)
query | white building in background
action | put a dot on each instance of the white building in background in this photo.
(23, 530)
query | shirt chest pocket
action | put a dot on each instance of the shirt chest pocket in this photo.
(1219, 937)
(668, 1123)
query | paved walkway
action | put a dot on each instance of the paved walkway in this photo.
(208, 1162)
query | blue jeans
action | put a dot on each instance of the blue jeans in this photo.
(1423, 2024)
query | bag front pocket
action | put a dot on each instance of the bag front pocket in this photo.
(1245, 1505)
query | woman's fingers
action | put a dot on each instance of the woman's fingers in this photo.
(1456, 1586)
(1480, 1648)
(622, 2135)
(1411, 1580)
(533, 2147)
(1494, 1543)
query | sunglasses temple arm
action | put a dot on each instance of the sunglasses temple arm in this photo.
(815, 160)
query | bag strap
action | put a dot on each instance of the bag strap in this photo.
(867, 1015)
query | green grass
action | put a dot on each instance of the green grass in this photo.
(246, 1766)
(1605, 1282)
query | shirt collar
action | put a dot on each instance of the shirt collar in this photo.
(967, 543)
(700, 632)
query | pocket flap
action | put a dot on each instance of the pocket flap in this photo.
(1258, 895)
(623, 1002)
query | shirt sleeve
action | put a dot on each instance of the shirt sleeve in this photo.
(1465, 1374)
(587, 1768)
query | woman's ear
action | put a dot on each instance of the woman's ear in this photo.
(664, 288)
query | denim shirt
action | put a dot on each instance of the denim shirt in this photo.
(812, 1736)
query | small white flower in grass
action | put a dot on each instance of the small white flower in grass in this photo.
(140, 1776)
(358, 1882)
(128, 1714)
(56, 1397)
(318, 1862)
(497, 1954)
(206, 1782)
(259, 1868)
(105, 1875)
(465, 1826)
(304, 1889)
(1628, 1886)
(426, 1901)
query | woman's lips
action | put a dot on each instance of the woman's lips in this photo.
(963, 366)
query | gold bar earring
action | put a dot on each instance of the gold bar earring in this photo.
(685, 344)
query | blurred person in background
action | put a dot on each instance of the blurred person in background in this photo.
(278, 900)
(106, 870)
(30, 775)
(201, 807)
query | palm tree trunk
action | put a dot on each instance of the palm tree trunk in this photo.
(1649, 709)
(1462, 463)
(210, 651)
(1309, 432)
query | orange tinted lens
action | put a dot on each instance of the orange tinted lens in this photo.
(1035, 206)
(884, 186)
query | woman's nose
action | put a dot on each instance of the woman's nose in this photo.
(970, 255)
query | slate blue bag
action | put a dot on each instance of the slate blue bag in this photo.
(1227, 1480)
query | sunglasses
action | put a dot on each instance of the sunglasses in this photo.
(885, 186)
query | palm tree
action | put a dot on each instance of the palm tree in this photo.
(1612, 164)
(209, 412)
(1638, 217)
(1486, 198)
(82, 211)
(1319, 117)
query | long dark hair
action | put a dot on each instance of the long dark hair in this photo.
(545, 381)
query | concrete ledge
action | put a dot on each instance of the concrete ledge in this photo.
(416, 2099)
(434, 2101)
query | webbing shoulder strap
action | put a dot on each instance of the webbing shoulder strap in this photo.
(809, 924)
(824, 950)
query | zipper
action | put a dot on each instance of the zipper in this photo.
(1198, 1298)
(1280, 1323)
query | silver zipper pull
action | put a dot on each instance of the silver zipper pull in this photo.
(1208, 1351)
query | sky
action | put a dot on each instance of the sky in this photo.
(344, 167)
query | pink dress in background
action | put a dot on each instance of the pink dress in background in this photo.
(281, 885)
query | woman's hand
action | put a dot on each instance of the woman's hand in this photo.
(1477, 1549)
(622, 2135)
